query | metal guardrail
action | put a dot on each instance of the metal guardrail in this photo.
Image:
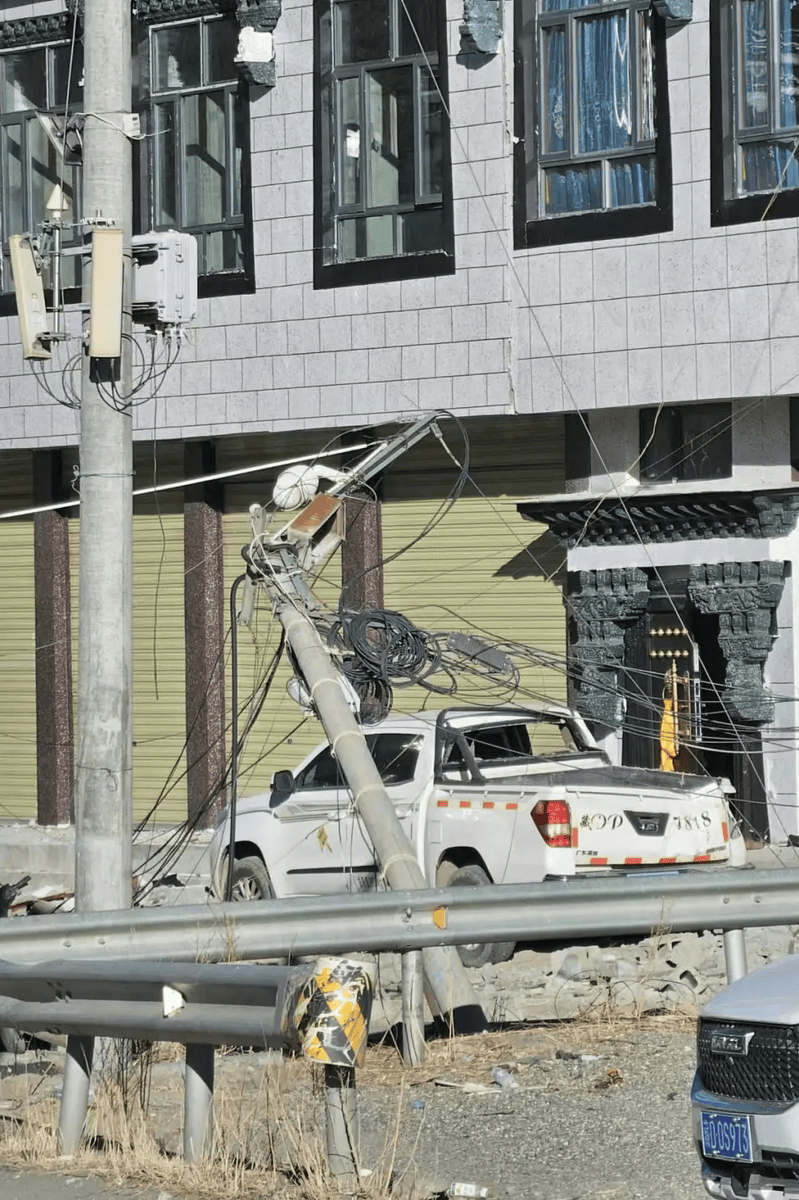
(193, 1003)
(321, 1008)
(725, 900)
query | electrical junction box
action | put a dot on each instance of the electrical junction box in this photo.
(164, 278)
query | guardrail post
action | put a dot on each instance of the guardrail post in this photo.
(75, 1093)
(413, 1048)
(735, 954)
(341, 1109)
(198, 1104)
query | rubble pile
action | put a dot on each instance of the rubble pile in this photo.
(670, 972)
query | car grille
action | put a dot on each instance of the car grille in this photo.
(769, 1071)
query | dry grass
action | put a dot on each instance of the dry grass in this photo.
(269, 1120)
(268, 1135)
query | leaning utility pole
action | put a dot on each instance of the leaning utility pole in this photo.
(280, 564)
(103, 806)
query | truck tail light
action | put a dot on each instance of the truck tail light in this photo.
(553, 821)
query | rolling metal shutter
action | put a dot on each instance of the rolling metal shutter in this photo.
(482, 570)
(482, 566)
(17, 671)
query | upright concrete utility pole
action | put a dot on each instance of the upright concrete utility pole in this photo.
(103, 745)
(103, 808)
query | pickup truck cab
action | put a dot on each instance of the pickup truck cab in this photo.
(486, 795)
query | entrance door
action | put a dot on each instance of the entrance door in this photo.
(674, 638)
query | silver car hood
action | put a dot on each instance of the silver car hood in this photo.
(769, 995)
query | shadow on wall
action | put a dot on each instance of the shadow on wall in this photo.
(543, 558)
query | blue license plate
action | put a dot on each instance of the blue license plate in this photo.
(726, 1135)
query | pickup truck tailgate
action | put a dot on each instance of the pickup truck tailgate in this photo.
(627, 817)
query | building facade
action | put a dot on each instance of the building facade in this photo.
(573, 226)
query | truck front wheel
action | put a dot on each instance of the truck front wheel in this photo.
(251, 880)
(478, 954)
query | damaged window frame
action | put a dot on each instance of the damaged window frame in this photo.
(549, 145)
(30, 150)
(224, 242)
(343, 163)
(750, 116)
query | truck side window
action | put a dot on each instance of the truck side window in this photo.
(323, 772)
(502, 741)
(395, 755)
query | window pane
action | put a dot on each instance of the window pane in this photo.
(176, 58)
(44, 172)
(223, 251)
(632, 181)
(204, 154)
(421, 27)
(166, 203)
(366, 237)
(14, 197)
(762, 168)
(553, 84)
(61, 56)
(240, 127)
(24, 80)
(431, 182)
(362, 29)
(423, 231)
(789, 63)
(755, 64)
(603, 83)
(390, 155)
(659, 433)
(572, 189)
(548, 6)
(646, 105)
(707, 442)
(223, 43)
(350, 140)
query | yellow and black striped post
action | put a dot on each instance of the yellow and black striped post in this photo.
(332, 1020)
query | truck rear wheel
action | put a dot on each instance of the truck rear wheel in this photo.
(251, 880)
(478, 954)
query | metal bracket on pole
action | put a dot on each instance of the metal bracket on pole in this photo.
(75, 1094)
(413, 1049)
(343, 1130)
(735, 954)
(198, 1103)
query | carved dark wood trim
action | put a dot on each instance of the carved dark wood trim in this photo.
(149, 12)
(673, 517)
(745, 597)
(606, 602)
(56, 27)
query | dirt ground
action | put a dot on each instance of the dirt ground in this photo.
(599, 1109)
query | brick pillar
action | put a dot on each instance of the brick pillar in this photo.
(205, 614)
(54, 743)
(361, 553)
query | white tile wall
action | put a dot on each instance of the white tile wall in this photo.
(694, 313)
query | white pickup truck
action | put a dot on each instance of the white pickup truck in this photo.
(486, 795)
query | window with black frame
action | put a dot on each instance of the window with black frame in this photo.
(382, 166)
(686, 441)
(198, 118)
(37, 78)
(755, 110)
(592, 153)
